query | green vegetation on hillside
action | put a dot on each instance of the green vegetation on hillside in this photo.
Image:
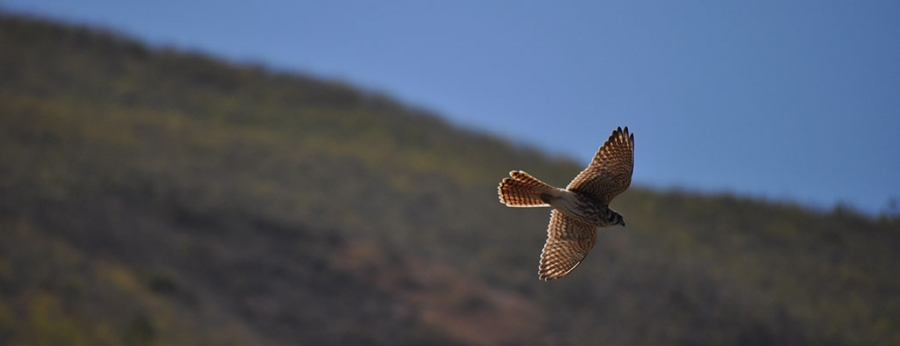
(157, 197)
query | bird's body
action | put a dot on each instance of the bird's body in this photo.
(579, 208)
(583, 208)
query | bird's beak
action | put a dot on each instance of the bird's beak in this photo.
(623, 223)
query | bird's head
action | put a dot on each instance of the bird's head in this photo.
(616, 219)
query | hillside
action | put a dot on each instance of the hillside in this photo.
(159, 197)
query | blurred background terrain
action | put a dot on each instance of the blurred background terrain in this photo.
(154, 196)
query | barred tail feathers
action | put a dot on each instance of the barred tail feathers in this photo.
(523, 190)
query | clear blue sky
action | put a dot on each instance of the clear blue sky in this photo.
(783, 100)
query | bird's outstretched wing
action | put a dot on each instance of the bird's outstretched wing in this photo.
(609, 173)
(568, 242)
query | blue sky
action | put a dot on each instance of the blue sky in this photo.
(795, 101)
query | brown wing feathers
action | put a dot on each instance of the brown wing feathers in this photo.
(609, 173)
(568, 243)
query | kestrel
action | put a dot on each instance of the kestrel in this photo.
(580, 208)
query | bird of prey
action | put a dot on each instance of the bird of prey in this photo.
(580, 208)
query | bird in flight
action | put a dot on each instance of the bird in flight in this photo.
(580, 208)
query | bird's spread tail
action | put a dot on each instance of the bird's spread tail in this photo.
(523, 190)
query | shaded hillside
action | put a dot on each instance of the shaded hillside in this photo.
(157, 197)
